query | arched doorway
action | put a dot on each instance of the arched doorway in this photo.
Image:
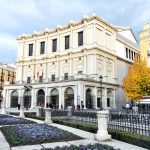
(14, 99)
(89, 99)
(55, 98)
(109, 98)
(69, 97)
(41, 98)
(27, 98)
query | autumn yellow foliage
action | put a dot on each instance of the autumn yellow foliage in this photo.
(137, 82)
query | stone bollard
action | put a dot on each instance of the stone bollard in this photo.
(102, 133)
(38, 111)
(135, 110)
(69, 111)
(22, 112)
(3, 111)
(48, 115)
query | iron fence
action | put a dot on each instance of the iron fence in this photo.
(130, 122)
(119, 120)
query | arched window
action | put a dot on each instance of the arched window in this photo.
(55, 98)
(14, 99)
(89, 99)
(41, 98)
(69, 97)
(27, 98)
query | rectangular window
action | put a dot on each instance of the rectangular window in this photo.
(132, 55)
(53, 78)
(54, 45)
(42, 48)
(66, 76)
(28, 79)
(41, 79)
(108, 102)
(129, 54)
(126, 52)
(79, 72)
(30, 49)
(67, 44)
(80, 38)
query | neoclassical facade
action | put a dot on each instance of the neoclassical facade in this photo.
(63, 65)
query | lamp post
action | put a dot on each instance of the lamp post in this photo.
(100, 79)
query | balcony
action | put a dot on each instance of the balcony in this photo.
(82, 77)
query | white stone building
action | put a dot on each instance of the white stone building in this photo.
(63, 65)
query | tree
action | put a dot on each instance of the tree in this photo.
(137, 82)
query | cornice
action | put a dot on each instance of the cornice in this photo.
(47, 31)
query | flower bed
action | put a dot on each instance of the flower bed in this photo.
(96, 146)
(9, 120)
(35, 134)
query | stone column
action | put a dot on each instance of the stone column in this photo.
(21, 104)
(95, 93)
(69, 111)
(114, 98)
(84, 96)
(22, 112)
(102, 133)
(4, 102)
(75, 96)
(48, 115)
(46, 97)
(104, 100)
(60, 94)
(32, 99)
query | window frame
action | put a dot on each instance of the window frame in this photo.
(67, 42)
(66, 77)
(42, 47)
(54, 45)
(80, 38)
(30, 53)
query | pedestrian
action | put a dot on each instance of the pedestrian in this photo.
(51, 105)
(18, 106)
(82, 106)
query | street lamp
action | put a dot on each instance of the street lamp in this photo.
(100, 80)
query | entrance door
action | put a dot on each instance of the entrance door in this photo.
(27, 99)
(69, 97)
(89, 99)
(41, 98)
(55, 98)
(14, 99)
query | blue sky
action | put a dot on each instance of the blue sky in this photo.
(26, 16)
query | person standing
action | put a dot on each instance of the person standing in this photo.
(18, 106)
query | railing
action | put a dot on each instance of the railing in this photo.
(130, 122)
(119, 120)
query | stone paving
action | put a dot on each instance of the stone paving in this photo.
(89, 138)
